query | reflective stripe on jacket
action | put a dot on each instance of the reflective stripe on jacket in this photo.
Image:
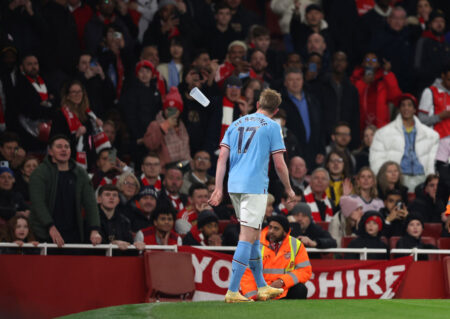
(290, 264)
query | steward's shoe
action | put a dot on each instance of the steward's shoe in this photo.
(233, 297)
(268, 292)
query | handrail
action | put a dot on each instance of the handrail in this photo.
(416, 251)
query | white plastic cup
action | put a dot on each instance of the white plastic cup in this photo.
(199, 97)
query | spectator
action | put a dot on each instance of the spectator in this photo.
(407, 142)
(427, 203)
(423, 10)
(309, 233)
(377, 86)
(115, 227)
(286, 206)
(167, 134)
(234, 63)
(18, 231)
(34, 106)
(432, 52)
(340, 140)
(276, 239)
(314, 23)
(63, 206)
(151, 170)
(290, 140)
(251, 91)
(241, 18)
(23, 178)
(10, 150)
(303, 117)
(108, 168)
(141, 102)
(78, 122)
(366, 190)
(172, 70)
(187, 217)
(93, 32)
(161, 233)
(316, 197)
(361, 155)
(433, 111)
(339, 98)
(292, 61)
(146, 11)
(222, 34)
(207, 70)
(390, 177)
(198, 173)
(412, 237)
(340, 184)
(82, 13)
(11, 202)
(316, 44)
(172, 183)
(139, 210)
(150, 53)
(344, 222)
(369, 233)
(128, 186)
(206, 232)
(394, 213)
(395, 43)
(259, 68)
(99, 87)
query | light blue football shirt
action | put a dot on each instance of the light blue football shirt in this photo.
(251, 140)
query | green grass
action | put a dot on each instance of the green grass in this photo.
(284, 309)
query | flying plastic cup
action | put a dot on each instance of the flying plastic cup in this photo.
(199, 97)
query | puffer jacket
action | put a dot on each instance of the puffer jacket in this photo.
(389, 145)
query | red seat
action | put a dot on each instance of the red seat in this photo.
(426, 240)
(432, 230)
(346, 240)
(169, 276)
(446, 264)
(411, 197)
(393, 241)
(324, 225)
(443, 243)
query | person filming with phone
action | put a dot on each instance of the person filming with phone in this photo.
(394, 213)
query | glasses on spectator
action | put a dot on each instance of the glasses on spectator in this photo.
(202, 159)
(233, 87)
(130, 183)
(337, 161)
(371, 59)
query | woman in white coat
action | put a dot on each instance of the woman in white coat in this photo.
(407, 142)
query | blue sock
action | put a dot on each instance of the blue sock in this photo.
(256, 265)
(239, 264)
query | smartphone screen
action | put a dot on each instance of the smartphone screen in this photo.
(112, 156)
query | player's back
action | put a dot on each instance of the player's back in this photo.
(251, 139)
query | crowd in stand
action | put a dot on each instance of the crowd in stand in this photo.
(101, 141)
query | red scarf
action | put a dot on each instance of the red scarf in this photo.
(173, 33)
(39, 86)
(431, 35)
(198, 236)
(311, 201)
(106, 21)
(176, 202)
(150, 236)
(161, 85)
(227, 115)
(157, 184)
(189, 215)
(105, 180)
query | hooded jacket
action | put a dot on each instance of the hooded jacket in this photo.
(281, 265)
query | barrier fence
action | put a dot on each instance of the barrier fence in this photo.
(363, 252)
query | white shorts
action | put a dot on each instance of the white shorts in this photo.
(250, 208)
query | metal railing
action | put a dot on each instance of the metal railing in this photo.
(109, 248)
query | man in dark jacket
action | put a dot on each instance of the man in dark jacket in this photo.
(309, 233)
(339, 99)
(304, 118)
(140, 209)
(62, 198)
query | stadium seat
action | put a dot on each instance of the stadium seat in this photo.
(393, 241)
(432, 230)
(446, 266)
(443, 243)
(324, 225)
(169, 276)
(346, 240)
(411, 197)
(426, 240)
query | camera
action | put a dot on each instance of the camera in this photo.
(399, 205)
(117, 35)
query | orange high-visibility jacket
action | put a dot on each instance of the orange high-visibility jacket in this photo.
(447, 212)
(291, 264)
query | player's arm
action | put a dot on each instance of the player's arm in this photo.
(283, 174)
(216, 196)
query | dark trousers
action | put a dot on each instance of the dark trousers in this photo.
(299, 291)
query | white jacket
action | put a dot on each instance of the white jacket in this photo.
(389, 145)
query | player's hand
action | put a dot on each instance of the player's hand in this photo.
(216, 197)
(56, 236)
(291, 196)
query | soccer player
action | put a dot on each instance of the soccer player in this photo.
(248, 142)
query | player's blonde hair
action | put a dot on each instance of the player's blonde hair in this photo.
(269, 100)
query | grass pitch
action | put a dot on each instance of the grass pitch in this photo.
(283, 309)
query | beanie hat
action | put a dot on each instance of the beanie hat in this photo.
(406, 96)
(145, 64)
(348, 205)
(313, 7)
(435, 14)
(232, 81)
(173, 99)
(377, 220)
(163, 3)
(206, 217)
(301, 208)
(5, 169)
(147, 190)
(282, 220)
(413, 216)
